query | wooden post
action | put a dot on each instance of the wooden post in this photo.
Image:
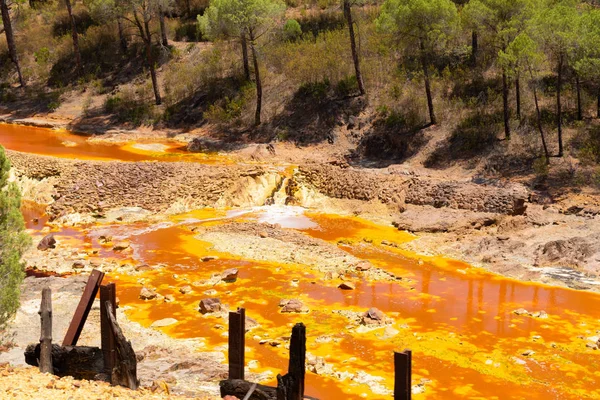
(403, 375)
(107, 294)
(237, 345)
(83, 309)
(46, 332)
(291, 385)
(124, 372)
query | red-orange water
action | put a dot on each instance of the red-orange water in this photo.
(458, 320)
(68, 145)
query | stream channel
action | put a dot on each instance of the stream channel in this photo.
(458, 320)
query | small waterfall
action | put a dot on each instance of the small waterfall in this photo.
(280, 196)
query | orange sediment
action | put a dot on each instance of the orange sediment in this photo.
(459, 320)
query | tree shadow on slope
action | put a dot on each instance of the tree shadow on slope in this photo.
(393, 138)
(219, 94)
(472, 138)
(314, 112)
(103, 59)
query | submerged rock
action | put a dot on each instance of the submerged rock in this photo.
(163, 322)
(121, 246)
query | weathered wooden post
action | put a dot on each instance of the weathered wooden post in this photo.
(403, 375)
(83, 309)
(291, 385)
(107, 294)
(124, 372)
(237, 343)
(46, 332)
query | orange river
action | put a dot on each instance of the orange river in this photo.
(457, 319)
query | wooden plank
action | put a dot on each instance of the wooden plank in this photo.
(46, 332)
(124, 372)
(403, 375)
(237, 345)
(291, 385)
(83, 309)
(107, 294)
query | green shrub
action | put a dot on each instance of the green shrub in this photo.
(316, 90)
(292, 30)
(230, 109)
(347, 86)
(13, 242)
(133, 105)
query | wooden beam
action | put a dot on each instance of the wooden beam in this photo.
(83, 309)
(107, 294)
(291, 385)
(80, 362)
(403, 375)
(237, 345)
(46, 332)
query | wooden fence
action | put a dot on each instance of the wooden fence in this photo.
(116, 362)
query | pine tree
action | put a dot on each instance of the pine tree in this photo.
(13, 242)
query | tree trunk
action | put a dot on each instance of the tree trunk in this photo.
(474, 48)
(559, 106)
(10, 39)
(425, 66)
(75, 37)
(122, 38)
(505, 106)
(189, 8)
(258, 82)
(539, 121)
(245, 56)
(359, 79)
(163, 29)
(598, 104)
(518, 96)
(46, 332)
(150, 59)
(578, 88)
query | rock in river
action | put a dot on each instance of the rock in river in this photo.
(147, 294)
(210, 305)
(48, 242)
(229, 275)
(292, 306)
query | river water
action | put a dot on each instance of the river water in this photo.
(458, 320)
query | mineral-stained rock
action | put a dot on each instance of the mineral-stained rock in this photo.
(210, 305)
(169, 298)
(346, 286)
(48, 242)
(209, 258)
(147, 294)
(229, 275)
(121, 246)
(185, 289)
(163, 322)
(293, 306)
(373, 316)
(78, 264)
